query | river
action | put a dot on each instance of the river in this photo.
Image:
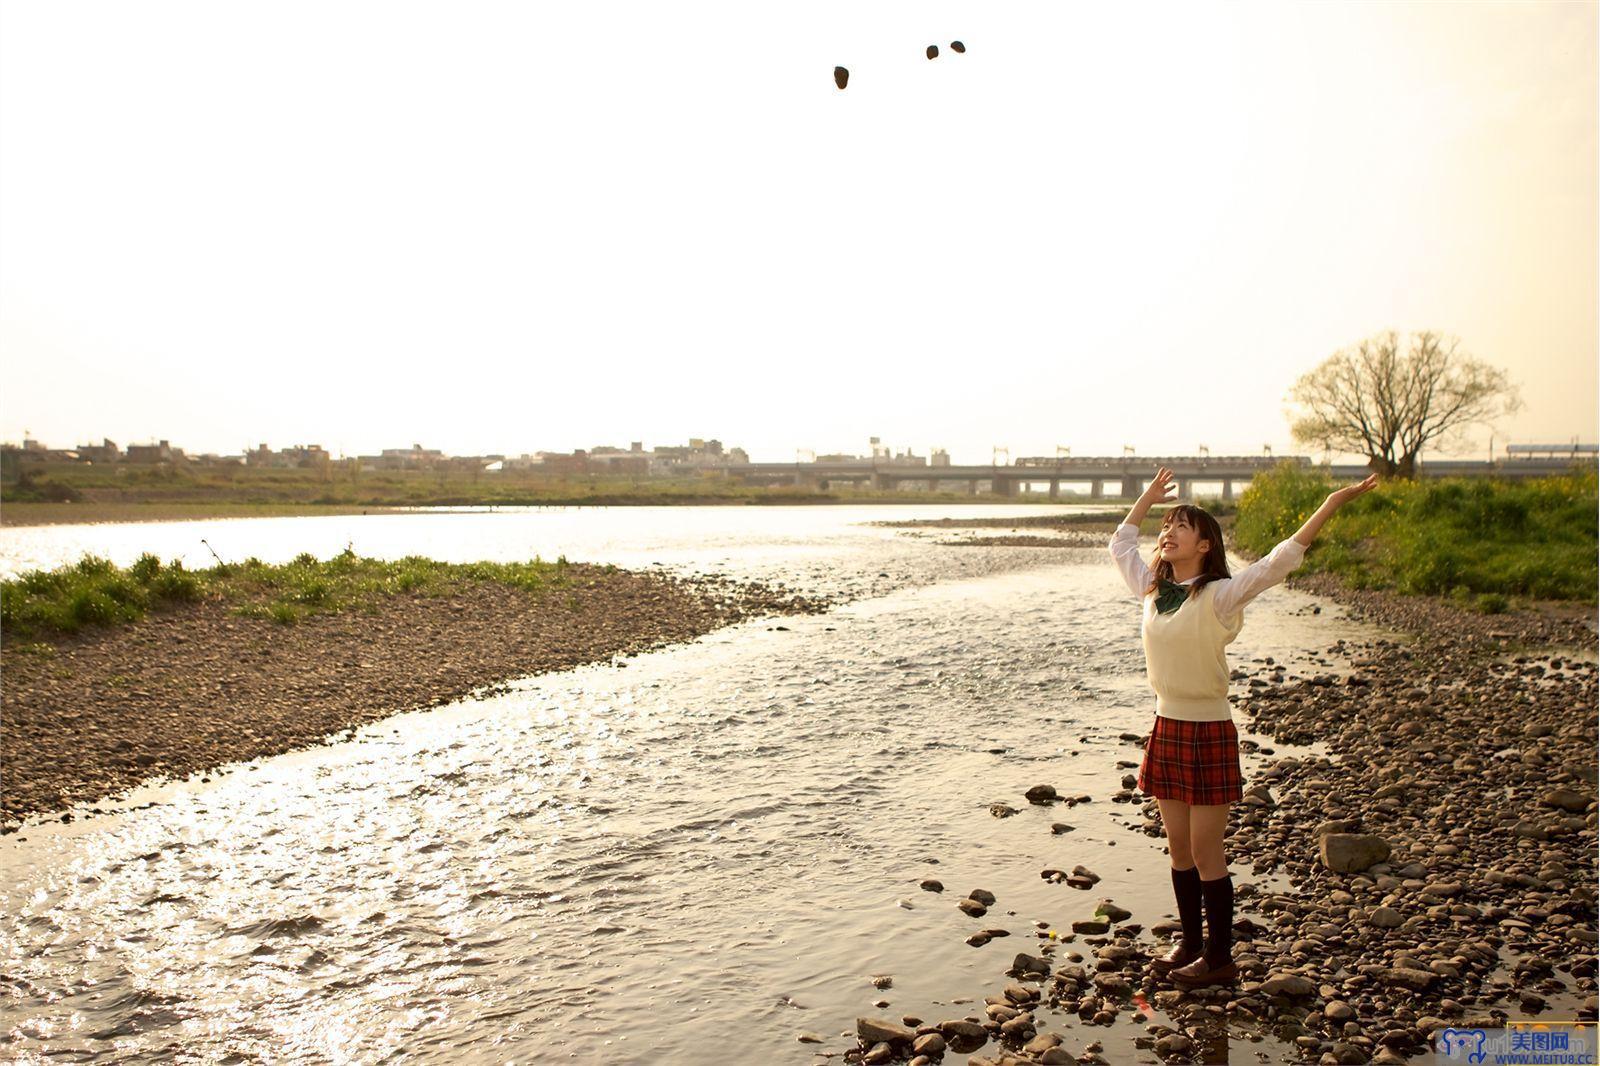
(695, 857)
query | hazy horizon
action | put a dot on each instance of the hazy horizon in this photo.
(502, 229)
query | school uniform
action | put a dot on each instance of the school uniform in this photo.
(1193, 751)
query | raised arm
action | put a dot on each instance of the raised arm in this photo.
(1125, 541)
(1247, 584)
(1154, 493)
(1336, 499)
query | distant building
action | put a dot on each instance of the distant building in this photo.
(521, 462)
(699, 454)
(559, 463)
(299, 457)
(630, 463)
(473, 464)
(104, 452)
(264, 457)
(940, 457)
(161, 452)
(415, 457)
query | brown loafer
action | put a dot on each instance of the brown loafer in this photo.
(1200, 972)
(1179, 955)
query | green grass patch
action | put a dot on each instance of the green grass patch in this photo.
(96, 592)
(1476, 540)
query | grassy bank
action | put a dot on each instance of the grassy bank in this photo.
(95, 592)
(216, 675)
(67, 493)
(35, 513)
(1479, 541)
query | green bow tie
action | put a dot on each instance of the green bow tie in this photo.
(1171, 596)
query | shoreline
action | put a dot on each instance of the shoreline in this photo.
(1464, 757)
(24, 514)
(194, 687)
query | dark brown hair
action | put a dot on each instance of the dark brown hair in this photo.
(1215, 563)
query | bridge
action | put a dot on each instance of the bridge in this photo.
(1121, 477)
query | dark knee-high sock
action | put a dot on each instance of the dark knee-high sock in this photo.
(1219, 918)
(1186, 886)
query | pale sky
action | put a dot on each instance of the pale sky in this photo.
(491, 227)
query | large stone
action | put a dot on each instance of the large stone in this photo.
(1352, 852)
(1348, 1054)
(1025, 963)
(1112, 983)
(1071, 971)
(872, 1030)
(1113, 913)
(1387, 918)
(1042, 1043)
(1566, 799)
(1173, 1044)
(1405, 977)
(1288, 984)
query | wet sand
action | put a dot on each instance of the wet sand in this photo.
(184, 691)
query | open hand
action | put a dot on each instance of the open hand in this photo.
(1340, 497)
(1157, 492)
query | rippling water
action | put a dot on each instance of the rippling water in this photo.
(694, 858)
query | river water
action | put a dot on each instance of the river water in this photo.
(700, 856)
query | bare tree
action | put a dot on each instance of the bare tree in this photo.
(1385, 404)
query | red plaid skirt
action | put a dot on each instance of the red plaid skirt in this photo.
(1196, 762)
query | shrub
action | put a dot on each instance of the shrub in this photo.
(1492, 603)
(1460, 537)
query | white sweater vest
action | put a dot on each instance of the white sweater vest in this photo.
(1185, 659)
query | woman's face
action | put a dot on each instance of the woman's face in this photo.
(1180, 542)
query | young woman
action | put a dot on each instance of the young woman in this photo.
(1193, 609)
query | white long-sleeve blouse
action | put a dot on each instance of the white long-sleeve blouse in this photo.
(1232, 593)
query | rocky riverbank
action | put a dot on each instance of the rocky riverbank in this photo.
(1435, 868)
(192, 688)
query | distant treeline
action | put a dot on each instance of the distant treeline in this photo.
(256, 486)
(1478, 540)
